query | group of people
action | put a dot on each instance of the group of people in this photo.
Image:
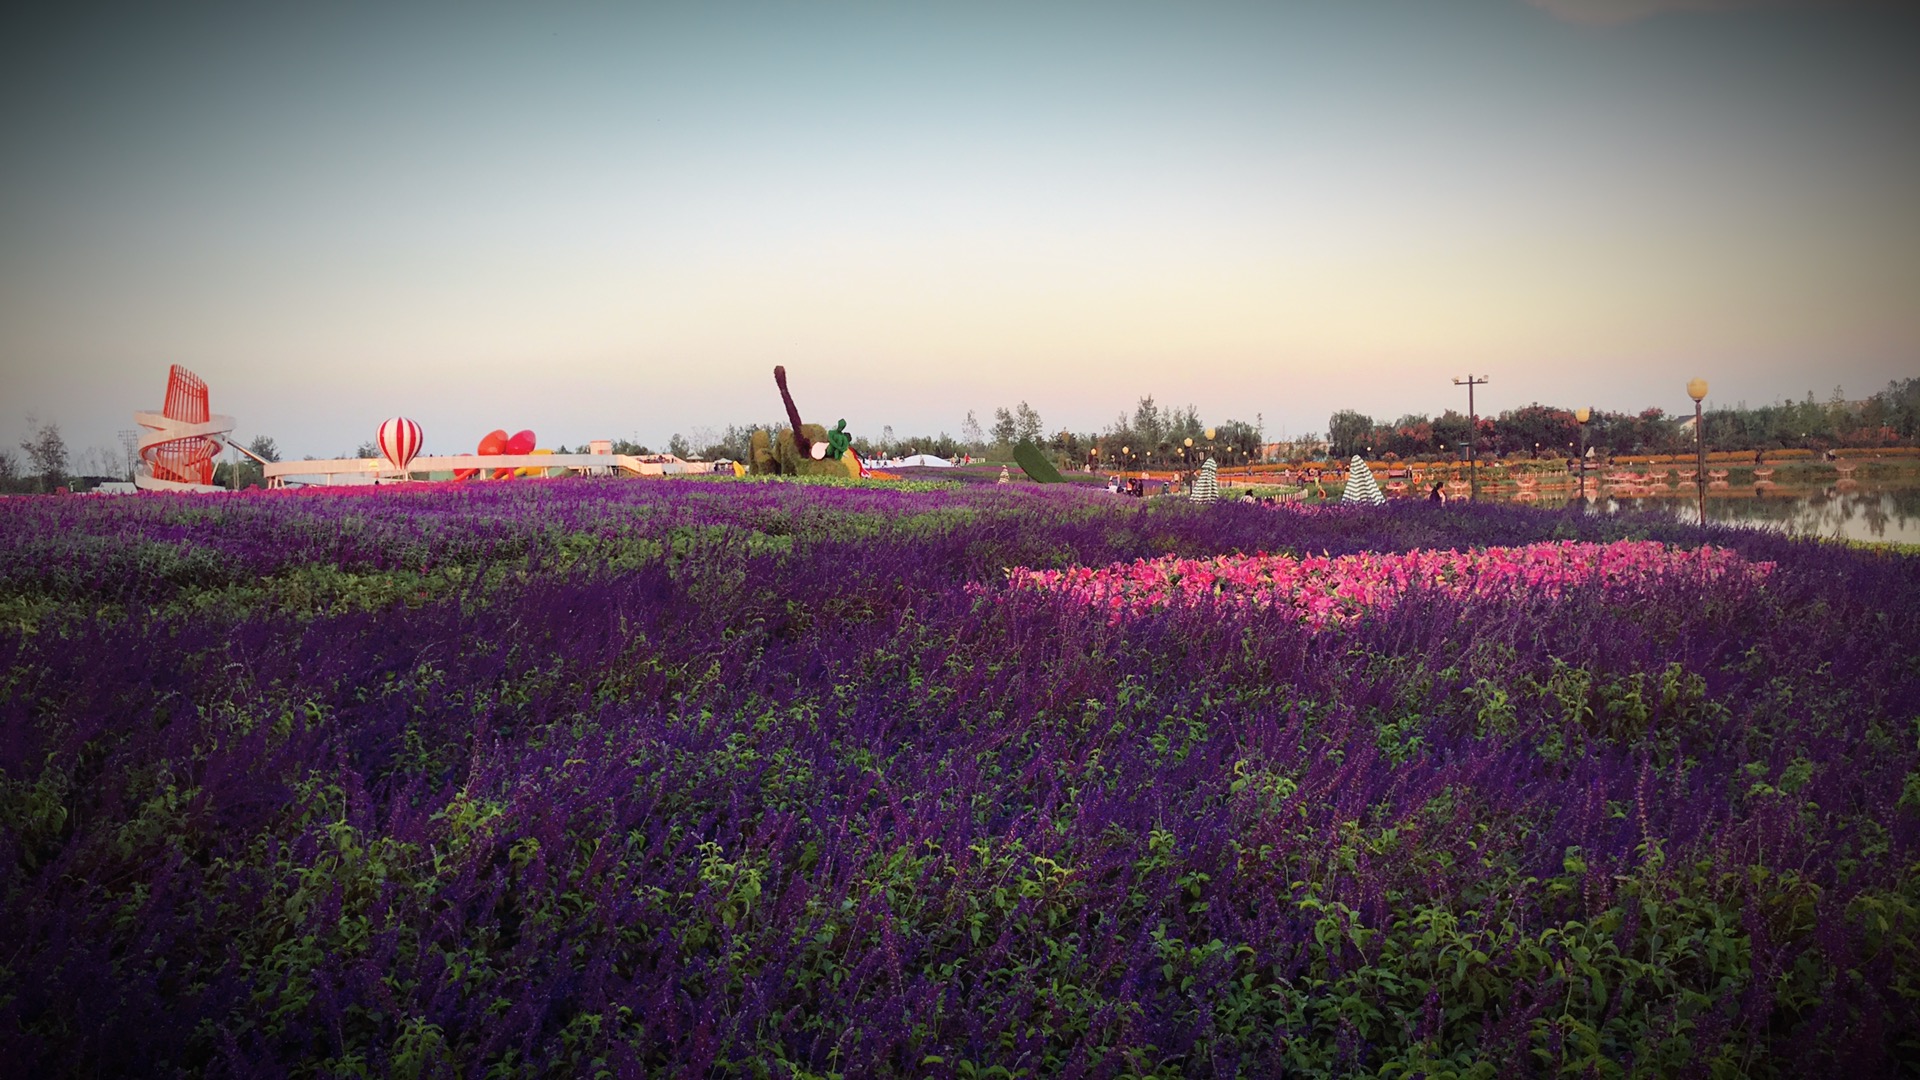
(1138, 486)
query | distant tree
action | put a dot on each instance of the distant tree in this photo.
(1235, 441)
(366, 450)
(677, 446)
(9, 468)
(1183, 424)
(1409, 436)
(247, 473)
(1149, 425)
(1545, 427)
(1349, 432)
(1899, 407)
(47, 450)
(1006, 430)
(971, 434)
(1027, 422)
(1303, 447)
(942, 445)
(629, 447)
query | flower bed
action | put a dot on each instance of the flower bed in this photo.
(1323, 589)
(717, 777)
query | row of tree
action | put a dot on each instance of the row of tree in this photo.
(1158, 436)
(1152, 435)
(1888, 418)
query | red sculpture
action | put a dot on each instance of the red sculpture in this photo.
(522, 442)
(182, 441)
(496, 443)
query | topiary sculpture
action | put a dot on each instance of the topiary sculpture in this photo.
(802, 449)
(1035, 464)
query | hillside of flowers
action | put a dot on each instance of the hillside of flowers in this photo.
(762, 779)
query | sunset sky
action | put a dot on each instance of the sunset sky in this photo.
(613, 220)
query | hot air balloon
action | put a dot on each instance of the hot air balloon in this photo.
(399, 440)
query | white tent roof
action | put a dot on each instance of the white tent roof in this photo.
(924, 459)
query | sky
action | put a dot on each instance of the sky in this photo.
(611, 221)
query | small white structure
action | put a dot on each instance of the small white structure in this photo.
(927, 460)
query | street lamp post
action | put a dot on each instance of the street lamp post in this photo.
(1582, 415)
(1697, 390)
(1473, 434)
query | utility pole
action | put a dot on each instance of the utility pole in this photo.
(1473, 432)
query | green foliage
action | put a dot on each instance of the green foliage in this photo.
(774, 454)
(1035, 464)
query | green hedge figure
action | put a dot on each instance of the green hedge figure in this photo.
(838, 441)
(1035, 464)
(789, 451)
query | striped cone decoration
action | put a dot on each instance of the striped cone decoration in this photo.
(400, 439)
(1362, 488)
(1206, 488)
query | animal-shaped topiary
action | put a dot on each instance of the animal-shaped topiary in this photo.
(802, 449)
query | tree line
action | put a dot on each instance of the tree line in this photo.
(1153, 435)
(1888, 418)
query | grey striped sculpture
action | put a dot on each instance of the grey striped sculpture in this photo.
(1362, 488)
(1206, 488)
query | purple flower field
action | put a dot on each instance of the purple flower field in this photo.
(721, 778)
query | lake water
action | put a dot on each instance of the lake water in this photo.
(1881, 514)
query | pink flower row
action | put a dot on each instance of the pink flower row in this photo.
(1324, 589)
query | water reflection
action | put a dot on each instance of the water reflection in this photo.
(1848, 513)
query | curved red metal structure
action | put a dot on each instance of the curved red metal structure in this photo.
(188, 460)
(181, 441)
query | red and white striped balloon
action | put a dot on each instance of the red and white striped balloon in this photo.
(400, 440)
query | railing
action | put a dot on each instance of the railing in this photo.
(278, 472)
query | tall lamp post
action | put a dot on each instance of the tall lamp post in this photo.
(1697, 390)
(1582, 415)
(1473, 433)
